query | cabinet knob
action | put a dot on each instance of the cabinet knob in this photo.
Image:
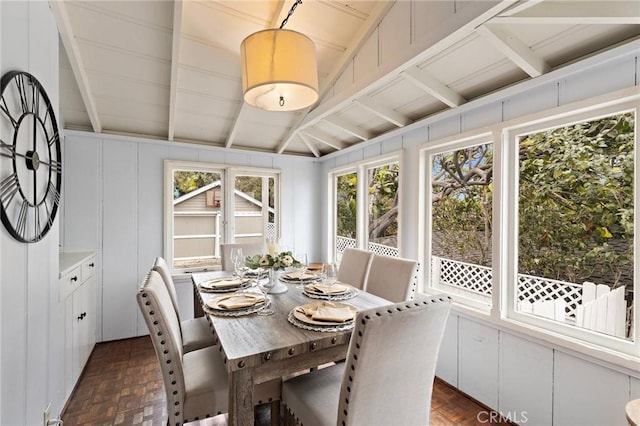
(92, 264)
(74, 278)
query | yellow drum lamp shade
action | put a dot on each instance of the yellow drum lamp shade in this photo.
(279, 71)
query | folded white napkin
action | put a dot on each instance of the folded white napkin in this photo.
(300, 275)
(221, 283)
(329, 311)
(236, 301)
(336, 288)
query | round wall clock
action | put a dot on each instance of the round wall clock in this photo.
(30, 159)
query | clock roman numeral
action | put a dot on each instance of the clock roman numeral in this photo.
(55, 166)
(7, 150)
(5, 109)
(35, 99)
(21, 223)
(22, 84)
(8, 189)
(38, 228)
(52, 139)
(52, 194)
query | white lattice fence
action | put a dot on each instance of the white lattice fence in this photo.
(271, 230)
(383, 250)
(471, 278)
(343, 243)
(532, 289)
(476, 279)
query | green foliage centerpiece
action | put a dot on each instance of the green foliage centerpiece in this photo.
(273, 261)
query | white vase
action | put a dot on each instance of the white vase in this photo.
(274, 282)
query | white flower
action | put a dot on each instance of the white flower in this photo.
(264, 261)
(287, 260)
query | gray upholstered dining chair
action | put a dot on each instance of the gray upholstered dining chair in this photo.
(392, 278)
(196, 333)
(354, 267)
(248, 249)
(196, 382)
(387, 378)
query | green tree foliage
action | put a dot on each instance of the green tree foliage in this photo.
(462, 197)
(576, 198)
(575, 202)
(383, 203)
(346, 187)
(185, 181)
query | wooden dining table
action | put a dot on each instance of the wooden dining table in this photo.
(257, 349)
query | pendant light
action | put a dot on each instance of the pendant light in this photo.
(279, 71)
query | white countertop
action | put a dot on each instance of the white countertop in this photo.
(70, 259)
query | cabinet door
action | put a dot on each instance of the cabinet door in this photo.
(76, 334)
(88, 321)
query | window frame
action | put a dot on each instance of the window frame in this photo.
(227, 176)
(426, 219)
(617, 351)
(362, 198)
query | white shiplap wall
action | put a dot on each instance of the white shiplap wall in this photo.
(531, 381)
(114, 203)
(31, 336)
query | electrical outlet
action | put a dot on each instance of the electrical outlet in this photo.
(46, 415)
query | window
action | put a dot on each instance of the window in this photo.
(574, 213)
(365, 207)
(202, 211)
(460, 201)
(532, 223)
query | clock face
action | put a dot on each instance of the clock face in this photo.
(30, 160)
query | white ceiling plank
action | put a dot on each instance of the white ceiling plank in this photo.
(382, 111)
(175, 65)
(372, 22)
(325, 139)
(575, 13)
(433, 86)
(352, 129)
(73, 53)
(356, 43)
(418, 53)
(309, 144)
(514, 49)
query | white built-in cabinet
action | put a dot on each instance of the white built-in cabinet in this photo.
(77, 297)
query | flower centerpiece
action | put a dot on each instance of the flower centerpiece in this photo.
(273, 261)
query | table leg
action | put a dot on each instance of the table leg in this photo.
(197, 304)
(241, 398)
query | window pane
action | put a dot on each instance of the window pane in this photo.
(575, 206)
(461, 222)
(346, 188)
(251, 225)
(383, 209)
(197, 203)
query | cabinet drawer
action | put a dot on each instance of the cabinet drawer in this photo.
(69, 282)
(88, 269)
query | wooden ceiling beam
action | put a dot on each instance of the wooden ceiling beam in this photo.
(433, 86)
(352, 129)
(325, 139)
(383, 111)
(514, 49)
(309, 144)
(574, 13)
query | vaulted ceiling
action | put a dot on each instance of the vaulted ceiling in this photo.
(171, 69)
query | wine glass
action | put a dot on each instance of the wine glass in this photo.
(329, 275)
(237, 259)
(265, 286)
(302, 268)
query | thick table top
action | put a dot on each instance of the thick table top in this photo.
(252, 340)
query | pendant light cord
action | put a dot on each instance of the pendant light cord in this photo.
(284, 21)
